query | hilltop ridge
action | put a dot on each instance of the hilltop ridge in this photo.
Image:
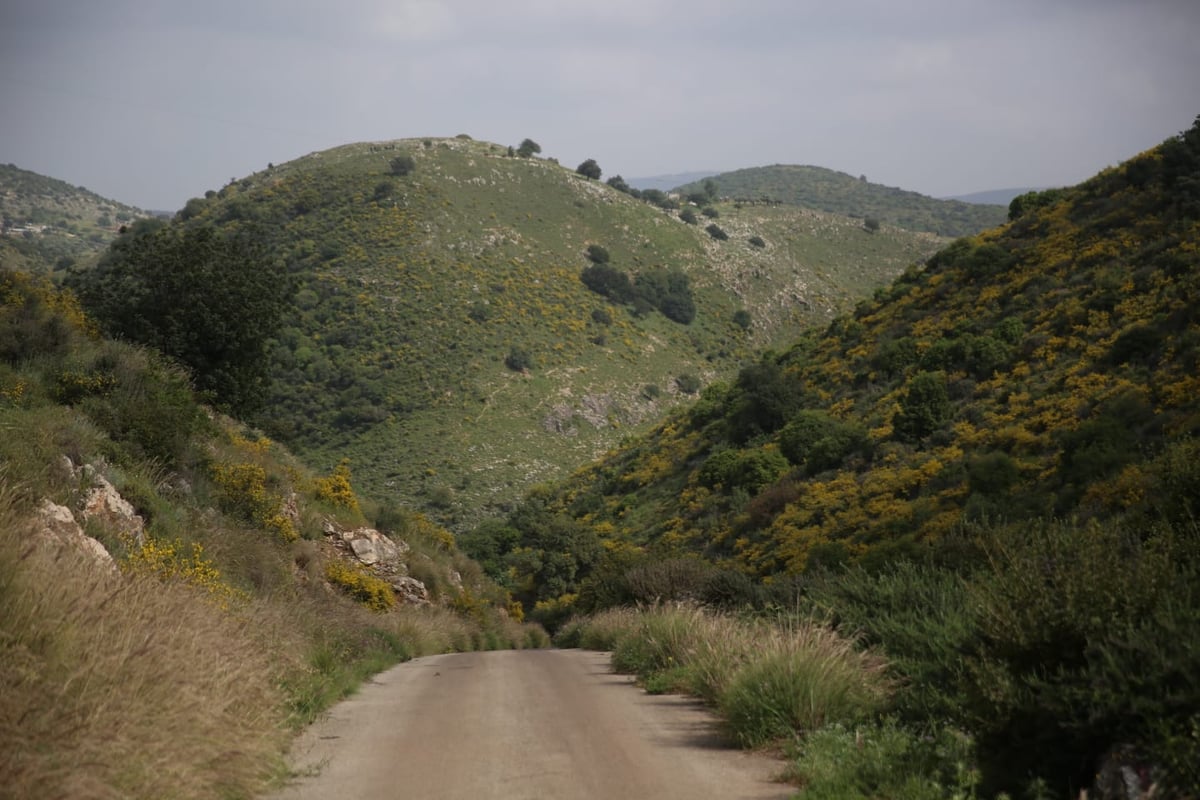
(840, 193)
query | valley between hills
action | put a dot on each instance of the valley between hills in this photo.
(918, 510)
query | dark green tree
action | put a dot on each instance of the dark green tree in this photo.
(208, 301)
(618, 183)
(589, 169)
(609, 281)
(528, 148)
(518, 360)
(597, 254)
(716, 232)
(924, 408)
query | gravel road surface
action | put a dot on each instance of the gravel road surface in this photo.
(521, 725)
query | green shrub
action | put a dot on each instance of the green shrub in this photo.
(919, 615)
(924, 408)
(1087, 643)
(839, 762)
(518, 360)
(402, 165)
(688, 383)
(597, 254)
(716, 232)
(819, 441)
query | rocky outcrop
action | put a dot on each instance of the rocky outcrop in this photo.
(411, 591)
(56, 525)
(380, 554)
(105, 504)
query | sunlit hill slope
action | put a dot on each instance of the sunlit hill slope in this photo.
(1038, 369)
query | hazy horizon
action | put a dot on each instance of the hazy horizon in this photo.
(151, 104)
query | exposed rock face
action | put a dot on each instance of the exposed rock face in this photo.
(56, 525)
(382, 555)
(105, 504)
(411, 591)
(372, 547)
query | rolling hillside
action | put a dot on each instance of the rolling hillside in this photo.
(987, 475)
(839, 193)
(443, 338)
(48, 224)
(1037, 370)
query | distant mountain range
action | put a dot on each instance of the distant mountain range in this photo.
(665, 183)
(444, 341)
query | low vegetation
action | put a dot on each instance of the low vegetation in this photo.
(1034, 660)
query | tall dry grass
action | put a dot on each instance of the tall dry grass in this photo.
(115, 686)
(770, 680)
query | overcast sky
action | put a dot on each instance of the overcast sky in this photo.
(151, 102)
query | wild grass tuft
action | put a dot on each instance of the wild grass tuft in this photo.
(802, 679)
(770, 680)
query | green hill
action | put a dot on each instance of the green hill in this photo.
(444, 341)
(987, 475)
(839, 193)
(1032, 371)
(49, 224)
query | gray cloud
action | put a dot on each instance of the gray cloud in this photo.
(153, 102)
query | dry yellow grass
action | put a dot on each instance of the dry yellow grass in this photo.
(124, 686)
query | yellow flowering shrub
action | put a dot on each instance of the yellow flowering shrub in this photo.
(169, 561)
(336, 490)
(373, 592)
(242, 490)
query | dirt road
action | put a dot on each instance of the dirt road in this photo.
(522, 725)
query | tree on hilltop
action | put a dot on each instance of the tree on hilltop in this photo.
(618, 183)
(589, 169)
(528, 148)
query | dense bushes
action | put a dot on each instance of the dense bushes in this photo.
(210, 301)
(669, 291)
